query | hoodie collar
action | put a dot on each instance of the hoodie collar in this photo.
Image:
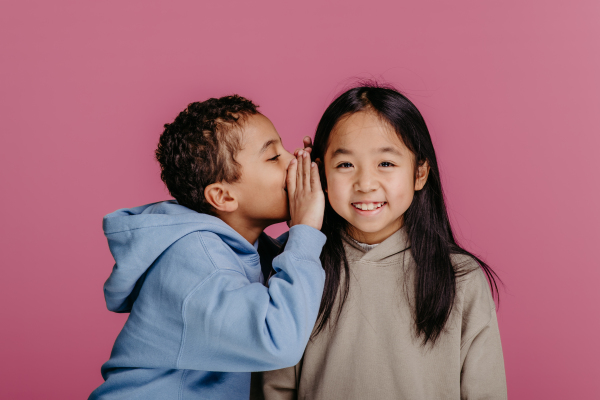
(395, 244)
(138, 236)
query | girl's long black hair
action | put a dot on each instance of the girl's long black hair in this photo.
(426, 220)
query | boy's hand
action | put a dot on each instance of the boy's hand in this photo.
(307, 201)
(307, 141)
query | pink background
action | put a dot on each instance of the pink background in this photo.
(510, 91)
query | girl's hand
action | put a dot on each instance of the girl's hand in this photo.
(307, 201)
(307, 141)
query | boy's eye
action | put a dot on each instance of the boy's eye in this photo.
(345, 165)
(386, 164)
(274, 158)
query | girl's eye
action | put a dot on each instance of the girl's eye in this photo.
(274, 158)
(345, 165)
(386, 164)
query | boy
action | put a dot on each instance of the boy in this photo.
(189, 273)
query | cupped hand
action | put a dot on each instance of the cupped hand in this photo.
(307, 142)
(307, 201)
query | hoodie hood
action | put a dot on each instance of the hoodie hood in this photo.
(138, 236)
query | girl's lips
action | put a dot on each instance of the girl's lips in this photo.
(375, 211)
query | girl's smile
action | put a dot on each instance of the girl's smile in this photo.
(368, 206)
(369, 209)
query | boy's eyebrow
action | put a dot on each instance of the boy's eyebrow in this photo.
(267, 144)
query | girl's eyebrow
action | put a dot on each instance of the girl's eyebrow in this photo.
(340, 150)
(388, 149)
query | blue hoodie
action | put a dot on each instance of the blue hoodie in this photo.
(200, 318)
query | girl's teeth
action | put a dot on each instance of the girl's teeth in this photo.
(368, 207)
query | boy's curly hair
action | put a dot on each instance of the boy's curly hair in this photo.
(200, 146)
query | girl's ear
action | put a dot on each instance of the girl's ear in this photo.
(221, 197)
(421, 175)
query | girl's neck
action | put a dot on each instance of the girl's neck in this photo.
(370, 238)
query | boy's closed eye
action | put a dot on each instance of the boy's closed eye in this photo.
(274, 158)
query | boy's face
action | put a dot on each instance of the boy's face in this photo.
(262, 198)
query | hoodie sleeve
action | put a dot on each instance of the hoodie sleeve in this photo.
(482, 374)
(232, 325)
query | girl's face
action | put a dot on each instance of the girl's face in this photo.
(370, 176)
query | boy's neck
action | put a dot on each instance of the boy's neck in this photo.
(249, 231)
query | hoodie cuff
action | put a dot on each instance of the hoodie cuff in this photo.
(305, 243)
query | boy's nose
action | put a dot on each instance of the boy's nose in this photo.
(287, 157)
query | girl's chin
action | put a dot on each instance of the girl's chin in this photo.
(358, 228)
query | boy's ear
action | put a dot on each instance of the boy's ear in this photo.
(220, 197)
(421, 175)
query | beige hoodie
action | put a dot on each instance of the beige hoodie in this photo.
(373, 352)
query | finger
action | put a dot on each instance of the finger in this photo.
(299, 171)
(296, 152)
(306, 170)
(307, 149)
(291, 178)
(315, 178)
(307, 141)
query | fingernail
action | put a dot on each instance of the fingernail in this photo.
(293, 161)
(313, 164)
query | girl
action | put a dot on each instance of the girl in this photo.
(406, 312)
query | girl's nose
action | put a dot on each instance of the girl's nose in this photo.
(365, 182)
